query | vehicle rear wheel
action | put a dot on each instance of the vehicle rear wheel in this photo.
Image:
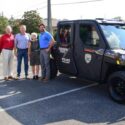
(117, 87)
(53, 69)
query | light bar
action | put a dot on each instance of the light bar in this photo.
(101, 20)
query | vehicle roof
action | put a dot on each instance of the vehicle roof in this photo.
(100, 21)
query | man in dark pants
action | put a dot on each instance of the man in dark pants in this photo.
(46, 42)
(22, 40)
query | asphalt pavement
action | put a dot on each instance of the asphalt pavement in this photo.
(62, 101)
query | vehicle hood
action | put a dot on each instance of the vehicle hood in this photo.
(116, 56)
(114, 53)
(119, 51)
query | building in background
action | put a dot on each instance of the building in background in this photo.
(54, 23)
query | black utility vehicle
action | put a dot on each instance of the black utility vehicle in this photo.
(93, 50)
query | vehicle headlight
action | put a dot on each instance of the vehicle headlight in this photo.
(120, 60)
(123, 57)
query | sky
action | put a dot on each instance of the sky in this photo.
(102, 9)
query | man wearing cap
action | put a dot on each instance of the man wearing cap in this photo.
(46, 42)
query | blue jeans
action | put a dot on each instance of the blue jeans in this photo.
(22, 54)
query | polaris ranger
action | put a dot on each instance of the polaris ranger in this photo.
(92, 50)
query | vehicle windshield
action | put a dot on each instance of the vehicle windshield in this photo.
(115, 35)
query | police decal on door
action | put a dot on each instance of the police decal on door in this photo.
(88, 58)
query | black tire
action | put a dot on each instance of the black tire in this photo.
(53, 69)
(116, 86)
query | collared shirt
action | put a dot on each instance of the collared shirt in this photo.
(21, 41)
(44, 39)
(7, 42)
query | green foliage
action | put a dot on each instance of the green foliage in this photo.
(3, 23)
(31, 19)
(15, 23)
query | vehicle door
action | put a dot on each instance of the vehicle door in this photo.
(89, 50)
(65, 52)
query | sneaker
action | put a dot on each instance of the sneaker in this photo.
(34, 77)
(5, 78)
(17, 78)
(10, 77)
(26, 77)
(46, 80)
(41, 79)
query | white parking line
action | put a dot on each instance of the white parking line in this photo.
(9, 95)
(1, 86)
(46, 98)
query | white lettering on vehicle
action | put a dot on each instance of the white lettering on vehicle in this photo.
(67, 61)
(63, 50)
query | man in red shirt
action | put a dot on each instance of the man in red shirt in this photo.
(6, 47)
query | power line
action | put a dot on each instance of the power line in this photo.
(33, 9)
(41, 8)
(78, 2)
(70, 3)
(45, 3)
(33, 6)
(67, 3)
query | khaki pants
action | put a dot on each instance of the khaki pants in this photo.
(7, 62)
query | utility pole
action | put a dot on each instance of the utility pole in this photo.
(2, 14)
(49, 20)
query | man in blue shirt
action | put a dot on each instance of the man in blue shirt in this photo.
(46, 42)
(22, 40)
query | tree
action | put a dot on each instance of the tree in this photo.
(15, 23)
(3, 23)
(32, 19)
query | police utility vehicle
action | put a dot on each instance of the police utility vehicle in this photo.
(93, 50)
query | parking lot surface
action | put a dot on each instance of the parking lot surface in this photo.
(62, 101)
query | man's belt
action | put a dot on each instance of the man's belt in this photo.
(22, 49)
(43, 48)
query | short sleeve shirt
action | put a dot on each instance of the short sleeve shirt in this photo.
(44, 39)
(21, 41)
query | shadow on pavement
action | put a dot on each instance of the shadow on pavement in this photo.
(89, 106)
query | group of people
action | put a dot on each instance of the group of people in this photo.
(34, 48)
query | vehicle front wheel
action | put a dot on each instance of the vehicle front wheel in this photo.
(116, 86)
